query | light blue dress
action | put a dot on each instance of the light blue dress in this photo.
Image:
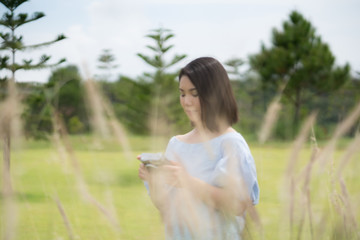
(211, 162)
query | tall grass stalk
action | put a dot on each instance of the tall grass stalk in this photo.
(299, 187)
(82, 186)
(299, 142)
(306, 195)
(160, 126)
(341, 129)
(118, 131)
(104, 121)
(343, 205)
(349, 152)
(271, 117)
(302, 206)
(65, 218)
(97, 115)
(10, 130)
(291, 180)
(353, 225)
(272, 114)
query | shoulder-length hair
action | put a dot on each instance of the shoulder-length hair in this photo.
(213, 86)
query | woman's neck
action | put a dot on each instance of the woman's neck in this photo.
(199, 135)
(205, 134)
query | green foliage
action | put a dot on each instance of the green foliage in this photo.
(333, 107)
(75, 125)
(12, 5)
(150, 104)
(3, 87)
(153, 95)
(64, 93)
(300, 61)
(37, 112)
(12, 43)
(37, 209)
(249, 101)
(106, 63)
(160, 36)
(131, 101)
(234, 64)
(67, 94)
(166, 112)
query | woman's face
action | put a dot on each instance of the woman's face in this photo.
(189, 100)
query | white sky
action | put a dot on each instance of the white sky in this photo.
(220, 28)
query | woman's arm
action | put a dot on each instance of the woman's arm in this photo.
(157, 190)
(223, 199)
(228, 199)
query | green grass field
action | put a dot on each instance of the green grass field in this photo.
(43, 174)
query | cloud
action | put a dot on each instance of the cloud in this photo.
(110, 19)
(115, 25)
(220, 28)
(192, 2)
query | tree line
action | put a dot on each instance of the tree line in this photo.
(297, 68)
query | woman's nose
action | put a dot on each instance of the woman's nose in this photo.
(188, 100)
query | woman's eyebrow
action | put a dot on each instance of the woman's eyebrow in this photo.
(190, 90)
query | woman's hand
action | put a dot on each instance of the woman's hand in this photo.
(175, 174)
(143, 172)
(157, 187)
(225, 199)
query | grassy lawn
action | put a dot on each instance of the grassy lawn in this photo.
(44, 181)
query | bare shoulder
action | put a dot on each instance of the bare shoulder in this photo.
(229, 130)
(187, 137)
(183, 137)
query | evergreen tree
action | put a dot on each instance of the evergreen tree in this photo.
(12, 44)
(299, 60)
(333, 109)
(166, 111)
(233, 68)
(106, 63)
(248, 96)
(160, 36)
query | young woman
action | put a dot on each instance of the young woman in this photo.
(211, 177)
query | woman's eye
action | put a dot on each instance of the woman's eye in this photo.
(193, 95)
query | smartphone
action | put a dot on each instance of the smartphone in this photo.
(153, 160)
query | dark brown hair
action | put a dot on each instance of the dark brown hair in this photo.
(212, 83)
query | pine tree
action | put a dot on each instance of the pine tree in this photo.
(106, 63)
(233, 68)
(166, 112)
(299, 60)
(12, 44)
(160, 36)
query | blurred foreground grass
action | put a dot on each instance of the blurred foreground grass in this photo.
(41, 173)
